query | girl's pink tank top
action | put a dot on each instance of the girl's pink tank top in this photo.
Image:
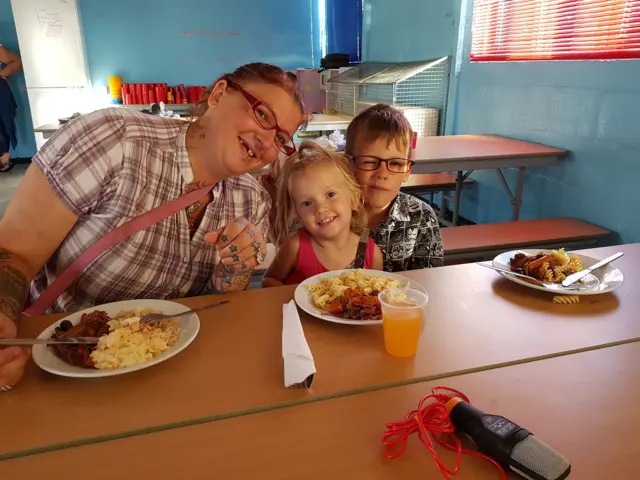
(308, 264)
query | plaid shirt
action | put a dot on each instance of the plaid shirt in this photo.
(410, 236)
(112, 165)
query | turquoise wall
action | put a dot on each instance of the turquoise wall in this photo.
(591, 108)
(195, 41)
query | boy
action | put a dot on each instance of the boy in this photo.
(404, 227)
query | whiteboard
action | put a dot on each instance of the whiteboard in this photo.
(51, 44)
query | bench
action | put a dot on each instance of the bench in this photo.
(431, 183)
(420, 183)
(474, 243)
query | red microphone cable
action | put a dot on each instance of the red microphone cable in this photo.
(431, 418)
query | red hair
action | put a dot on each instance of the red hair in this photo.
(259, 73)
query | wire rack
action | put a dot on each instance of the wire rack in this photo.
(418, 89)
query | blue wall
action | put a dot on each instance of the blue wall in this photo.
(589, 108)
(408, 30)
(412, 30)
(195, 41)
(26, 138)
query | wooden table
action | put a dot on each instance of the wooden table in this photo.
(475, 320)
(583, 405)
(466, 153)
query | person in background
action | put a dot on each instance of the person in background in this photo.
(406, 229)
(318, 189)
(105, 168)
(10, 63)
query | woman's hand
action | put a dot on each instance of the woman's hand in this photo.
(242, 248)
(12, 359)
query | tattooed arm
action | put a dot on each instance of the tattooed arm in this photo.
(14, 285)
(32, 228)
(228, 278)
(242, 248)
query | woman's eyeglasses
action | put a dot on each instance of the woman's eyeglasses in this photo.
(267, 120)
(394, 165)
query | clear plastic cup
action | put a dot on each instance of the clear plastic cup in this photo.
(402, 320)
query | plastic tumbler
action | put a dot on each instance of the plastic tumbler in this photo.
(402, 320)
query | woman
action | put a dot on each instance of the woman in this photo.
(10, 63)
(107, 167)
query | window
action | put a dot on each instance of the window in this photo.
(512, 30)
(343, 27)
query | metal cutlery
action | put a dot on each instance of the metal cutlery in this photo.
(155, 317)
(16, 342)
(571, 279)
(515, 274)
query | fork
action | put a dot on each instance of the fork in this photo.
(155, 317)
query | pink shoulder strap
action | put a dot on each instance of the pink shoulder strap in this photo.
(124, 231)
(305, 244)
(368, 259)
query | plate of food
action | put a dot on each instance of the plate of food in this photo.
(349, 296)
(124, 346)
(552, 266)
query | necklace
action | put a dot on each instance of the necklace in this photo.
(195, 211)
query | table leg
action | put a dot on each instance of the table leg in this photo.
(518, 200)
(460, 178)
(456, 206)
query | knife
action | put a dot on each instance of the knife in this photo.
(12, 342)
(578, 275)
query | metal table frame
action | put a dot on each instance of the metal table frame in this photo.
(497, 161)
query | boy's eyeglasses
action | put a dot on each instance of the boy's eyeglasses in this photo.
(394, 165)
(267, 120)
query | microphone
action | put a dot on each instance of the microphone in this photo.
(513, 447)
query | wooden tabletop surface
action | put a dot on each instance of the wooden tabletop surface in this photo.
(474, 320)
(583, 405)
(478, 147)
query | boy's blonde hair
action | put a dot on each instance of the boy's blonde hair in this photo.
(308, 154)
(378, 121)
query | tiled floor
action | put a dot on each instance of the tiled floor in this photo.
(8, 183)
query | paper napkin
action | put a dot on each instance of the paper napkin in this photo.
(298, 360)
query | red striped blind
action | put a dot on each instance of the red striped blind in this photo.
(515, 30)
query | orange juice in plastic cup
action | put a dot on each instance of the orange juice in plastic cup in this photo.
(402, 319)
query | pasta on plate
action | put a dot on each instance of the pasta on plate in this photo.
(129, 342)
(333, 288)
(123, 340)
(352, 294)
(551, 267)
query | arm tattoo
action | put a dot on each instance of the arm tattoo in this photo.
(14, 287)
(228, 278)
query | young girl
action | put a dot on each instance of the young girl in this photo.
(318, 189)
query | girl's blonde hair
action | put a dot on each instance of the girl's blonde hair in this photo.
(308, 154)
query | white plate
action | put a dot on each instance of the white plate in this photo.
(44, 357)
(603, 280)
(303, 299)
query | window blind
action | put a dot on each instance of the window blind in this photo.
(515, 30)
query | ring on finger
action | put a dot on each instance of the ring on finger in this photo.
(6, 388)
(260, 258)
